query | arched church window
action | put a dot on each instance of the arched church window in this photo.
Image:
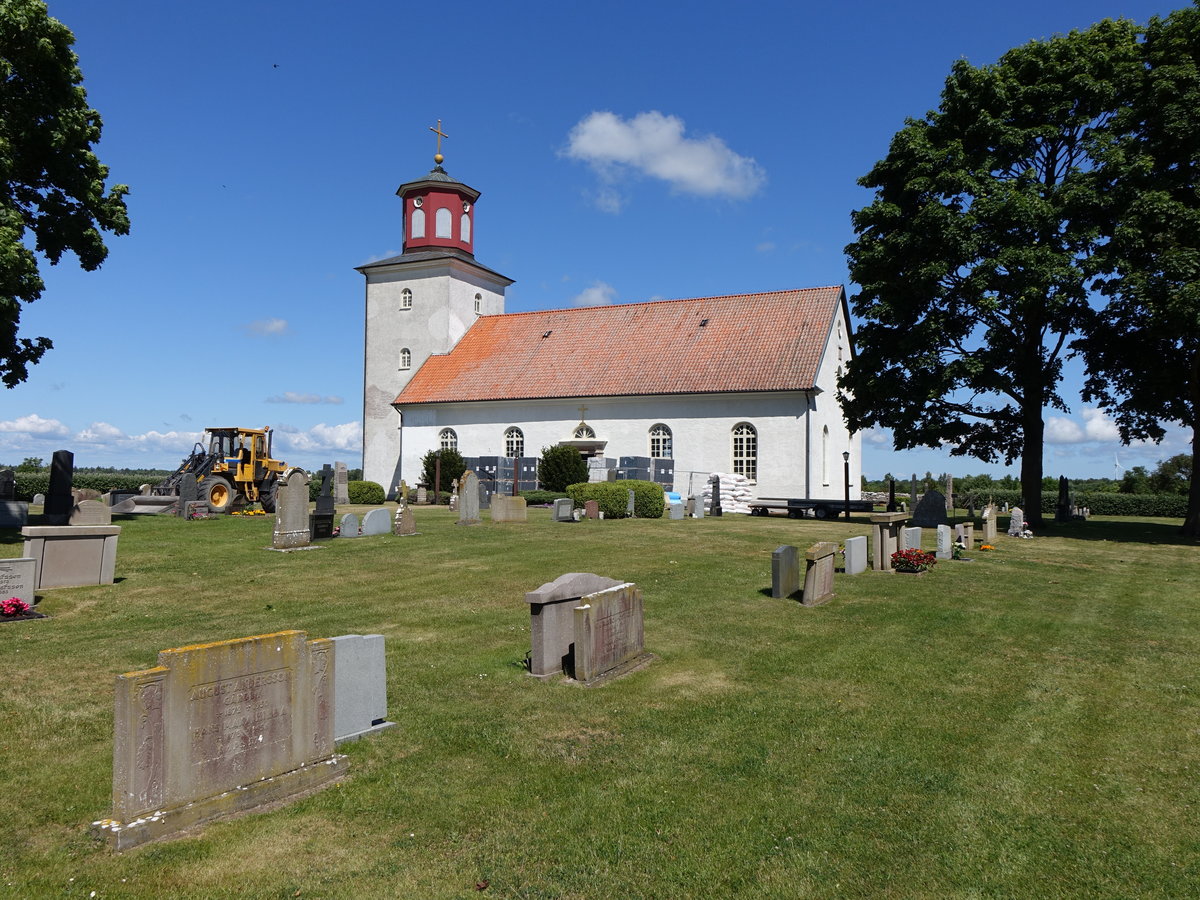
(745, 450)
(514, 442)
(441, 223)
(825, 455)
(406, 299)
(584, 433)
(448, 439)
(464, 229)
(478, 304)
(660, 442)
(418, 224)
(405, 358)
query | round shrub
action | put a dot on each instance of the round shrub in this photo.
(561, 465)
(365, 492)
(613, 497)
(452, 469)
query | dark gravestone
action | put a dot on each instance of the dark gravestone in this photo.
(325, 498)
(891, 507)
(931, 511)
(8, 484)
(320, 525)
(59, 501)
(1063, 513)
(188, 492)
(714, 491)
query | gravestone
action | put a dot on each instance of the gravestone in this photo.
(468, 499)
(989, 524)
(72, 555)
(359, 686)
(402, 496)
(949, 496)
(714, 493)
(59, 501)
(945, 543)
(629, 505)
(675, 510)
(189, 492)
(552, 621)
(697, 506)
(377, 521)
(348, 527)
(891, 505)
(1064, 512)
(324, 504)
(485, 497)
(13, 514)
(912, 492)
(820, 561)
(8, 485)
(591, 509)
(216, 729)
(931, 511)
(291, 511)
(885, 538)
(404, 523)
(969, 535)
(563, 509)
(785, 571)
(509, 509)
(1016, 522)
(39, 499)
(18, 578)
(422, 494)
(856, 554)
(960, 534)
(609, 634)
(910, 538)
(341, 483)
(91, 512)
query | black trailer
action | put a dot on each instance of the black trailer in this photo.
(797, 508)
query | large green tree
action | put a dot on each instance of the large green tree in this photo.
(1143, 353)
(52, 187)
(970, 256)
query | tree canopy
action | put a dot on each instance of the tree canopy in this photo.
(1143, 351)
(970, 258)
(52, 187)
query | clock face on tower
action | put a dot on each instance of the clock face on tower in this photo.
(466, 206)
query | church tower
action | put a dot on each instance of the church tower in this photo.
(419, 304)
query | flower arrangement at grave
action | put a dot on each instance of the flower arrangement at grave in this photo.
(913, 560)
(956, 552)
(13, 606)
(249, 512)
(986, 547)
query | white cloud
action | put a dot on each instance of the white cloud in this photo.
(1063, 431)
(1096, 427)
(877, 436)
(654, 145)
(320, 438)
(1099, 427)
(268, 327)
(100, 433)
(598, 294)
(765, 247)
(294, 397)
(35, 426)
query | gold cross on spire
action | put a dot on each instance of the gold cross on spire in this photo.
(437, 158)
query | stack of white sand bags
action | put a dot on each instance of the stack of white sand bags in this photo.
(735, 493)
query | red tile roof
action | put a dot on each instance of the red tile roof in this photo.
(748, 342)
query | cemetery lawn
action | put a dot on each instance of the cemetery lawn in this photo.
(1026, 724)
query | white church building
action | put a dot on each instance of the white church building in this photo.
(743, 384)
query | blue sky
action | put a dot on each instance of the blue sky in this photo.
(625, 152)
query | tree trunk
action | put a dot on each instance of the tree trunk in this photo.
(1191, 522)
(1031, 465)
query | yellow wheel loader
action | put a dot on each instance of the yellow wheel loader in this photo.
(233, 469)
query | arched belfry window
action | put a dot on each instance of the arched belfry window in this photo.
(441, 223)
(418, 224)
(406, 298)
(584, 433)
(825, 455)
(448, 439)
(745, 450)
(514, 442)
(405, 358)
(478, 304)
(464, 229)
(660, 442)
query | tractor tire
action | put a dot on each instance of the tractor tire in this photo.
(821, 512)
(266, 494)
(218, 493)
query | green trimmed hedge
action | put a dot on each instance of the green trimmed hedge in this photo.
(1170, 506)
(365, 492)
(613, 497)
(31, 483)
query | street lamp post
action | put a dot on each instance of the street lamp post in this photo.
(846, 460)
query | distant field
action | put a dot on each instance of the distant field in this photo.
(1027, 724)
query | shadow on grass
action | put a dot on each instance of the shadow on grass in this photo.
(1134, 532)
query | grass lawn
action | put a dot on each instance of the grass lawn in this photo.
(1027, 724)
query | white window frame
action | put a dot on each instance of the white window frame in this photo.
(405, 358)
(406, 298)
(744, 450)
(514, 442)
(448, 439)
(662, 442)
